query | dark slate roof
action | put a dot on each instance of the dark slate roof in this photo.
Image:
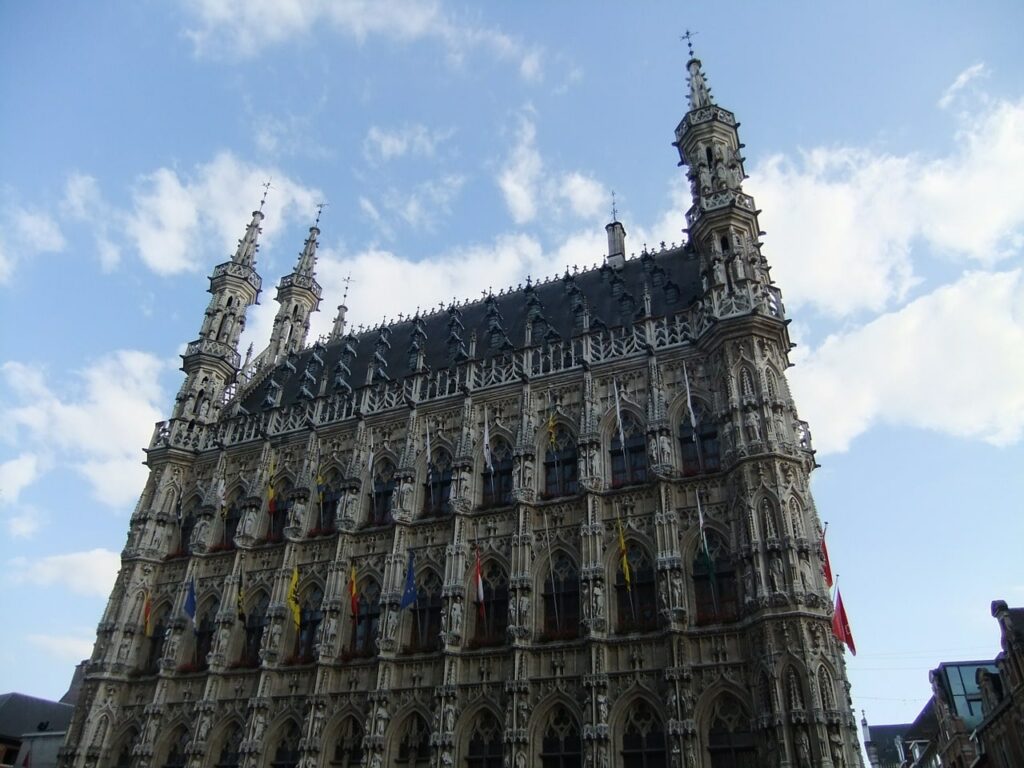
(614, 298)
(20, 714)
(926, 725)
(883, 739)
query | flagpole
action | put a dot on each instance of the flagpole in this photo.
(551, 568)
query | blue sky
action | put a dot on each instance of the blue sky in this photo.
(461, 146)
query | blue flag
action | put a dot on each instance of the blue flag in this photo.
(190, 600)
(409, 593)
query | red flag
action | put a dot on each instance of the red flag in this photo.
(841, 625)
(826, 566)
(353, 592)
(478, 577)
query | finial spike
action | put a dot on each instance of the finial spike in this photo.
(615, 211)
(319, 209)
(266, 188)
(688, 37)
(347, 281)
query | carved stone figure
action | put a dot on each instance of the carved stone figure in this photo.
(124, 649)
(259, 724)
(298, 514)
(392, 625)
(777, 578)
(803, 750)
(602, 708)
(598, 600)
(275, 635)
(449, 718)
(382, 718)
(752, 428)
(456, 611)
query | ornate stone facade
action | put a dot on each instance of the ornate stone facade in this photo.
(621, 406)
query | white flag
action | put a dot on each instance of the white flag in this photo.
(689, 402)
(369, 463)
(487, 444)
(429, 472)
(618, 416)
(221, 499)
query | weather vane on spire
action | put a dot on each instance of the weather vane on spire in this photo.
(347, 281)
(688, 37)
(266, 188)
(615, 211)
(319, 209)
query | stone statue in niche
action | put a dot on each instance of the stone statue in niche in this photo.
(704, 177)
(752, 428)
(456, 611)
(776, 574)
(298, 514)
(382, 719)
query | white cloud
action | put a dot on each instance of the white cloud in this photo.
(24, 524)
(244, 27)
(972, 72)
(586, 196)
(381, 144)
(83, 201)
(427, 201)
(65, 647)
(37, 231)
(102, 431)
(89, 573)
(842, 222)
(16, 475)
(6, 263)
(898, 369)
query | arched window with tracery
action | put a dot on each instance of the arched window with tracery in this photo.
(231, 516)
(286, 754)
(485, 748)
(730, 740)
(699, 447)
(637, 600)
(414, 748)
(643, 738)
(492, 614)
(714, 582)
(156, 640)
(280, 510)
(204, 634)
(310, 615)
(363, 642)
(629, 461)
(561, 470)
(561, 746)
(348, 745)
(124, 751)
(176, 757)
(437, 489)
(325, 505)
(826, 690)
(186, 524)
(256, 621)
(561, 591)
(425, 634)
(230, 755)
(796, 519)
(383, 493)
(498, 483)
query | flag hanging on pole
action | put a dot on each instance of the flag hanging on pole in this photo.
(841, 625)
(478, 577)
(353, 592)
(689, 402)
(240, 600)
(552, 432)
(147, 614)
(222, 504)
(190, 602)
(826, 566)
(409, 592)
(487, 444)
(429, 465)
(618, 416)
(321, 485)
(709, 563)
(271, 493)
(624, 558)
(293, 597)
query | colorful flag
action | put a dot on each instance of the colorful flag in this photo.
(623, 557)
(478, 577)
(353, 592)
(841, 625)
(618, 416)
(709, 563)
(487, 444)
(293, 597)
(552, 432)
(240, 600)
(271, 493)
(826, 565)
(409, 592)
(429, 465)
(190, 601)
(147, 614)
(321, 485)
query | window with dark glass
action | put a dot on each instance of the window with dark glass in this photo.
(561, 746)
(156, 641)
(643, 738)
(714, 582)
(287, 753)
(176, 757)
(414, 748)
(699, 447)
(730, 740)
(283, 503)
(185, 528)
(364, 629)
(437, 490)
(204, 635)
(124, 754)
(629, 461)
(485, 748)
(426, 615)
(561, 593)
(255, 623)
(232, 516)
(637, 601)
(498, 483)
(382, 496)
(310, 616)
(560, 465)
(492, 615)
(348, 746)
(231, 750)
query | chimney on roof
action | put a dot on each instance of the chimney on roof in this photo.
(616, 245)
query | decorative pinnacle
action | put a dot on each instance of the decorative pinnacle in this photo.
(688, 37)
(266, 188)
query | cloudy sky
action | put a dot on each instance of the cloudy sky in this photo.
(461, 147)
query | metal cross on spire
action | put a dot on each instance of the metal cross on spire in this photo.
(266, 188)
(347, 281)
(319, 209)
(615, 211)
(688, 37)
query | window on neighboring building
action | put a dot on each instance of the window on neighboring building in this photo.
(256, 621)
(561, 746)
(699, 448)
(382, 496)
(204, 634)
(714, 582)
(437, 489)
(643, 738)
(561, 476)
(485, 748)
(286, 755)
(176, 757)
(629, 462)
(426, 615)
(730, 740)
(637, 602)
(364, 629)
(231, 750)
(492, 616)
(498, 483)
(561, 591)
(414, 748)
(348, 746)
(310, 615)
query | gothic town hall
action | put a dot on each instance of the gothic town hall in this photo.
(567, 524)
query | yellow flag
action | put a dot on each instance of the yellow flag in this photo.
(552, 431)
(293, 597)
(625, 560)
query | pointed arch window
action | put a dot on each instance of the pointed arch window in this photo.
(437, 489)
(231, 516)
(383, 493)
(348, 746)
(124, 754)
(485, 748)
(561, 471)
(186, 524)
(629, 461)
(498, 483)
(826, 690)
(310, 616)
(286, 755)
(714, 582)
(280, 510)
(256, 621)
(364, 630)
(325, 509)
(561, 594)
(176, 757)
(156, 641)
(204, 635)
(561, 746)
(231, 750)
(492, 614)
(414, 748)
(643, 738)
(699, 447)
(730, 740)
(637, 601)
(425, 634)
